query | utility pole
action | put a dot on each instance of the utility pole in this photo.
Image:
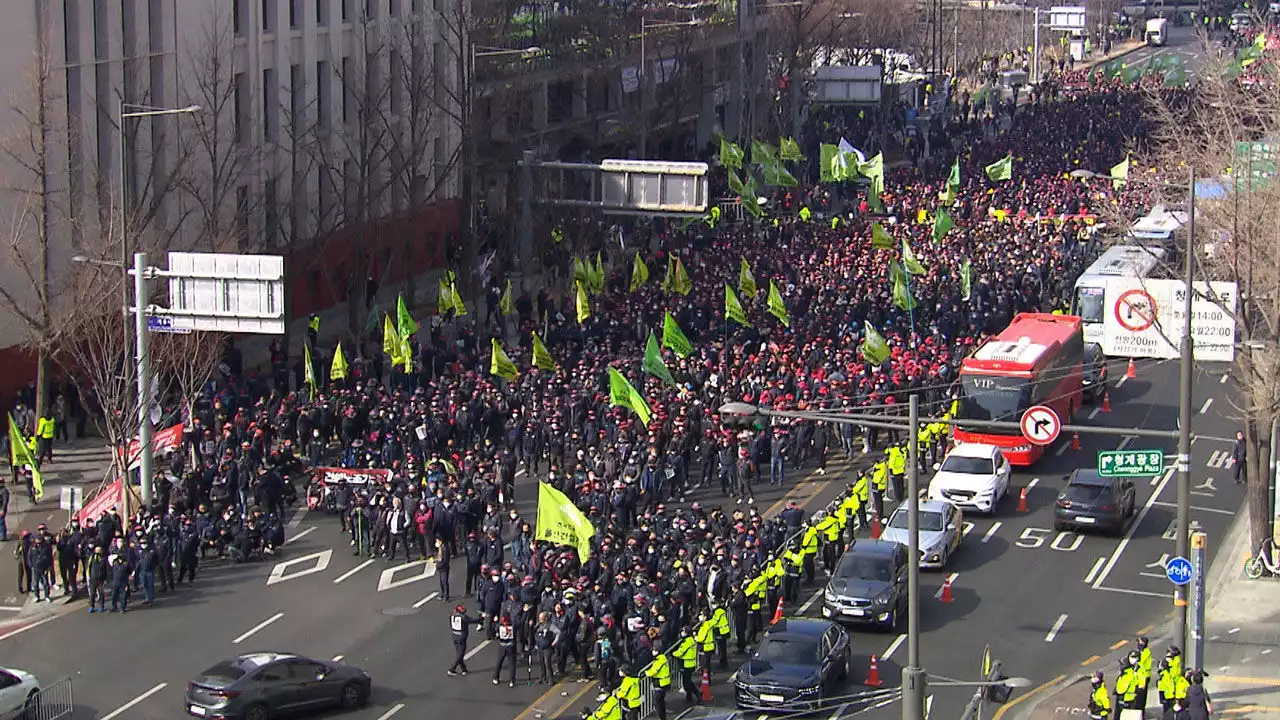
(1035, 56)
(913, 676)
(1187, 352)
(140, 271)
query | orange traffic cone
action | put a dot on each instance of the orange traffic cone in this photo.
(1132, 372)
(875, 528)
(777, 613)
(873, 674)
(706, 686)
(946, 590)
(1075, 441)
(1106, 402)
(1022, 501)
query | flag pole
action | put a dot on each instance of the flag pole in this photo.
(911, 307)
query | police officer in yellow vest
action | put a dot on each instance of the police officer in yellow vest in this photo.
(775, 575)
(879, 486)
(805, 213)
(686, 653)
(829, 526)
(720, 618)
(755, 589)
(897, 458)
(1172, 686)
(810, 547)
(609, 709)
(313, 330)
(659, 672)
(44, 443)
(1099, 701)
(793, 561)
(629, 692)
(1144, 669)
(705, 636)
(1127, 683)
(1173, 656)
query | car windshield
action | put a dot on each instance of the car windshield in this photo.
(223, 671)
(990, 397)
(967, 465)
(929, 521)
(788, 650)
(864, 567)
(1089, 303)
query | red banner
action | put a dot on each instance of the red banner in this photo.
(106, 499)
(353, 476)
(163, 442)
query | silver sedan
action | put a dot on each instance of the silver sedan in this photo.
(941, 530)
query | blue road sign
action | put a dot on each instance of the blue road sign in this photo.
(164, 324)
(1179, 571)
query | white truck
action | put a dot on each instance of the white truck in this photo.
(1155, 34)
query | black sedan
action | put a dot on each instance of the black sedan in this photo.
(798, 664)
(259, 686)
(1090, 501)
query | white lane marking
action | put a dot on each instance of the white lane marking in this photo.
(319, 561)
(353, 571)
(928, 707)
(1121, 380)
(300, 535)
(296, 520)
(337, 658)
(1233, 631)
(391, 713)
(1062, 449)
(425, 600)
(1205, 407)
(1197, 508)
(1224, 379)
(965, 528)
(994, 527)
(839, 712)
(809, 603)
(1124, 442)
(1034, 481)
(1097, 567)
(1128, 535)
(251, 631)
(951, 578)
(1053, 631)
(24, 628)
(388, 580)
(473, 651)
(1144, 593)
(1157, 479)
(893, 646)
(1095, 412)
(10, 608)
(129, 705)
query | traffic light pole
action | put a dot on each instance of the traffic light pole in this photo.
(1186, 356)
(913, 676)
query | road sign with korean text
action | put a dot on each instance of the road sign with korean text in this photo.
(1130, 463)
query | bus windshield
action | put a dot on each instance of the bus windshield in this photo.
(989, 397)
(1089, 303)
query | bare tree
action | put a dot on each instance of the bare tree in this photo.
(187, 362)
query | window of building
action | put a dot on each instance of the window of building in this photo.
(346, 10)
(396, 87)
(393, 8)
(269, 104)
(101, 44)
(155, 29)
(323, 80)
(269, 15)
(346, 90)
(322, 12)
(371, 9)
(237, 17)
(295, 14)
(296, 98)
(71, 31)
(239, 93)
(439, 72)
(351, 187)
(438, 162)
(271, 217)
(242, 212)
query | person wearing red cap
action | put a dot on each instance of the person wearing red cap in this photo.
(460, 628)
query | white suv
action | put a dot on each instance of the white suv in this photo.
(974, 476)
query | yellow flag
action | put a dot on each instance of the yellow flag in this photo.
(20, 454)
(682, 284)
(506, 306)
(560, 521)
(459, 307)
(309, 371)
(584, 308)
(639, 272)
(500, 364)
(391, 344)
(444, 301)
(338, 369)
(541, 357)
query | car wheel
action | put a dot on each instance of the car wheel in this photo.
(257, 712)
(31, 708)
(352, 695)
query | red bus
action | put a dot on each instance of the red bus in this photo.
(1037, 360)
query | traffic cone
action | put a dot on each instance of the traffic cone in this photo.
(1132, 372)
(1022, 501)
(1075, 441)
(1106, 402)
(873, 674)
(875, 528)
(777, 613)
(706, 686)
(946, 590)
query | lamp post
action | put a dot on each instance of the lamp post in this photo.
(645, 27)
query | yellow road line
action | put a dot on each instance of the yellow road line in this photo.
(1091, 661)
(1241, 710)
(1245, 680)
(536, 709)
(1120, 644)
(1146, 630)
(1023, 698)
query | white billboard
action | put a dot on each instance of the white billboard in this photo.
(225, 293)
(1145, 318)
(1067, 18)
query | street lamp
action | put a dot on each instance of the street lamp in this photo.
(645, 27)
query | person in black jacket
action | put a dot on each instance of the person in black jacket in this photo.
(40, 560)
(148, 563)
(121, 573)
(475, 559)
(98, 572)
(460, 628)
(444, 556)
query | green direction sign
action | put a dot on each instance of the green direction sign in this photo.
(1130, 463)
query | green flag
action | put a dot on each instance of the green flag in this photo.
(874, 170)
(1001, 169)
(405, 325)
(831, 164)
(653, 363)
(1120, 174)
(639, 272)
(681, 283)
(338, 368)
(731, 156)
(763, 154)
(777, 308)
(880, 238)
(500, 364)
(733, 308)
(309, 371)
(776, 175)
(559, 521)
(598, 275)
(581, 305)
(966, 280)
(541, 358)
(953, 180)
(444, 301)
(901, 293)
(909, 261)
(789, 150)
(942, 224)
(875, 349)
(20, 455)
(674, 338)
(746, 280)
(506, 305)
(459, 305)
(392, 345)
(622, 394)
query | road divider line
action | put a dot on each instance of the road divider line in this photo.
(1156, 480)
(1119, 645)
(1197, 508)
(1057, 627)
(1034, 481)
(296, 519)
(1124, 442)
(809, 603)
(337, 658)
(991, 531)
(1205, 407)
(1095, 412)
(838, 712)
(1128, 535)
(476, 650)
(353, 571)
(391, 713)
(129, 705)
(1146, 630)
(1090, 660)
(893, 646)
(300, 535)
(251, 631)
(426, 600)
(1225, 377)
(951, 578)
(1026, 696)
(1121, 380)
(1062, 449)
(1097, 567)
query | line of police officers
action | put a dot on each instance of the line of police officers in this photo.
(1182, 694)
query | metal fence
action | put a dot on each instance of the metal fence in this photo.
(52, 702)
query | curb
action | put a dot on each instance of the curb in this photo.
(1220, 571)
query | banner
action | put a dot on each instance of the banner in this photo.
(110, 496)
(354, 476)
(164, 442)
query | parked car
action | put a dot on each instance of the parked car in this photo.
(869, 585)
(1090, 501)
(19, 694)
(940, 531)
(263, 685)
(798, 664)
(974, 476)
(1095, 373)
